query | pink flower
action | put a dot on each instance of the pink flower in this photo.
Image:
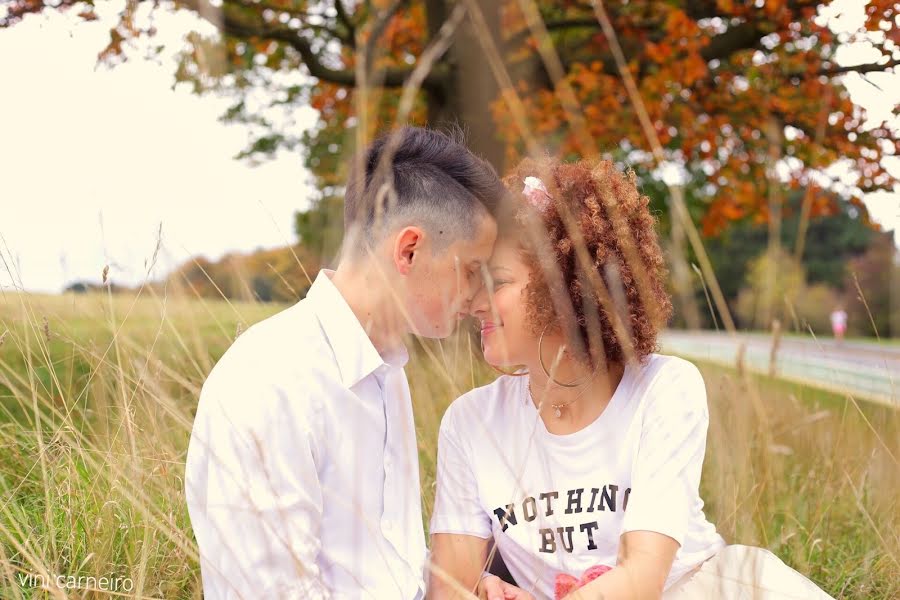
(566, 584)
(593, 573)
(536, 193)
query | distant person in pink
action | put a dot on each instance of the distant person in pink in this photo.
(839, 323)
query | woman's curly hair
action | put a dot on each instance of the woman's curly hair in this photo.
(594, 215)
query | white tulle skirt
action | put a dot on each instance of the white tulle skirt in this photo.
(744, 573)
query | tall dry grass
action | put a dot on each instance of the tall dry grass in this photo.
(97, 395)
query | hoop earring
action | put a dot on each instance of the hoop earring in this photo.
(544, 367)
(501, 371)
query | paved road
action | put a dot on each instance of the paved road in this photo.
(869, 371)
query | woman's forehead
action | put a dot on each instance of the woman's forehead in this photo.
(505, 257)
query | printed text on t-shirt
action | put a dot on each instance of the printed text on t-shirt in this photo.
(578, 500)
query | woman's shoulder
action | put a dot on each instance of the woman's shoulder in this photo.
(664, 366)
(486, 403)
(660, 376)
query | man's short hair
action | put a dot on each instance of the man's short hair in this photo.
(432, 181)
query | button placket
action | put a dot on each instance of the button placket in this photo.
(386, 517)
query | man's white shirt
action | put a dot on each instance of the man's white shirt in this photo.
(302, 475)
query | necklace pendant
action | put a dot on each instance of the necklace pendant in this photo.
(558, 412)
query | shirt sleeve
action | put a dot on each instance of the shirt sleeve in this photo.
(666, 473)
(260, 529)
(456, 505)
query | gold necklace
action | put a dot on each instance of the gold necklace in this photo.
(557, 408)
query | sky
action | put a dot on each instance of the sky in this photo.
(94, 160)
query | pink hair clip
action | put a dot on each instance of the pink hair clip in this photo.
(536, 193)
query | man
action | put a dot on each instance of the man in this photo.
(302, 472)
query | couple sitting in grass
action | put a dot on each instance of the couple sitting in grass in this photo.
(579, 466)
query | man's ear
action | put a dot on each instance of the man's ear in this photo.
(407, 246)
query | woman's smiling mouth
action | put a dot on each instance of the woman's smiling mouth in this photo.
(487, 328)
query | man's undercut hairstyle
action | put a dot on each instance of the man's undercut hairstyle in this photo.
(431, 180)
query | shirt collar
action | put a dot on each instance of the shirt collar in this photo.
(355, 354)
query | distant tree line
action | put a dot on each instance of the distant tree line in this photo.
(846, 262)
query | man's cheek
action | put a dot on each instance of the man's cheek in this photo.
(437, 308)
(447, 297)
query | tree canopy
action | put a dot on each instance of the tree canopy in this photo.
(730, 87)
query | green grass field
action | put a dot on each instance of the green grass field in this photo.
(97, 395)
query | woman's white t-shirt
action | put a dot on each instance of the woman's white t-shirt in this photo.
(559, 503)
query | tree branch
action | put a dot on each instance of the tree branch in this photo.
(295, 14)
(230, 25)
(522, 35)
(721, 46)
(344, 18)
(739, 37)
(866, 68)
(380, 25)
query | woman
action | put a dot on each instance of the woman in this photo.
(590, 453)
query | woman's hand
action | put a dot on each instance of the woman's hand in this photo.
(494, 588)
(644, 561)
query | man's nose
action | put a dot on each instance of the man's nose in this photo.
(478, 303)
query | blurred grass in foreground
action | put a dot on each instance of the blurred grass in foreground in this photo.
(94, 430)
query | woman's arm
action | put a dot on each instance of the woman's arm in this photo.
(457, 562)
(665, 481)
(644, 561)
(461, 528)
(457, 565)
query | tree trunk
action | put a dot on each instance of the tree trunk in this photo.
(471, 86)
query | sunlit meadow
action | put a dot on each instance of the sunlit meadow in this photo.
(97, 394)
